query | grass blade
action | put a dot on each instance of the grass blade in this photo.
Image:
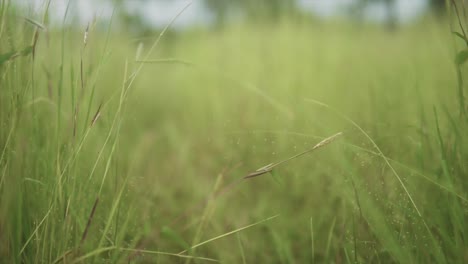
(229, 233)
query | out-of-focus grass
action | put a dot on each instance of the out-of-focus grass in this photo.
(161, 158)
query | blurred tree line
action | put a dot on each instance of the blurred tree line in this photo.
(273, 9)
(357, 9)
(270, 10)
(251, 9)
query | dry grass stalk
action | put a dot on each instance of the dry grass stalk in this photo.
(271, 166)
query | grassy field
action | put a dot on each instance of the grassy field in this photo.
(122, 150)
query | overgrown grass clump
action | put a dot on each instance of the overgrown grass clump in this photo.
(116, 150)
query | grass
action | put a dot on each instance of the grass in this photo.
(116, 150)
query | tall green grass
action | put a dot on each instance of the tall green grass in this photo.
(115, 149)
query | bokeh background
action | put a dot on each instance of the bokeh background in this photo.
(127, 129)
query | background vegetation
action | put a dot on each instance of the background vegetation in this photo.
(116, 149)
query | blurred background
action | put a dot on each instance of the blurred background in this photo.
(145, 14)
(126, 135)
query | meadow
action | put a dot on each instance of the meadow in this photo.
(117, 149)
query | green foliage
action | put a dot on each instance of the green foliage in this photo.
(104, 159)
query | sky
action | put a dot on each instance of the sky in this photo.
(161, 12)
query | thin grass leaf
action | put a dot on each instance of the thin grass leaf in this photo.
(241, 248)
(96, 115)
(329, 238)
(271, 166)
(207, 212)
(35, 23)
(90, 219)
(229, 233)
(93, 253)
(35, 181)
(35, 231)
(167, 254)
(144, 251)
(458, 34)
